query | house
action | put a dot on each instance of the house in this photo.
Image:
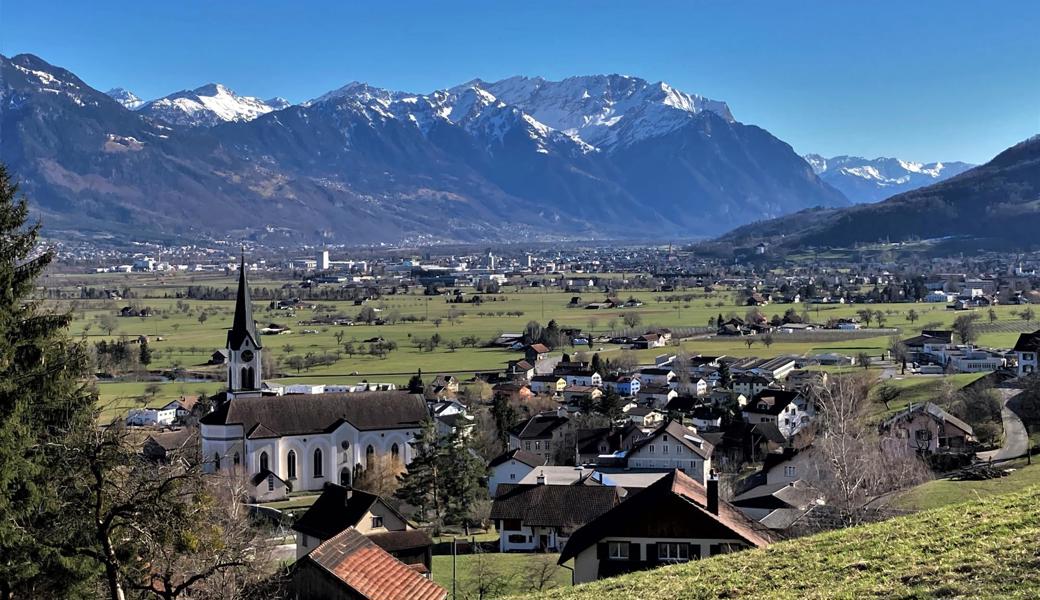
(156, 415)
(548, 384)
(706, 418)
(697, 386)
(624, 385)
(1027, 351)
(576, 395)
(510, 467)
(649, 340)
(656, 396)
(672, 446)
(928, 427)
(340, 508)
(445, 383)
(351, 566)
(542, 517)
(787, 409)
(749, 385)
(656, 376)
(777, 506)
(643, 416)
(267, 486)
(163, 446)
(519, 370)
(585, 377)
(597, 442)
(676, 519)
(515, 392)
(183, 407)
(535, 353)
(541, 434)
(446, 425)
(219, 357)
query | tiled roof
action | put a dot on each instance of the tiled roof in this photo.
(682, 434)
(409, 539)
(1028, 342)
(273, 416)
(371, 571)
(528, 458)
(538, 427)
(336, 509)
(564, 506)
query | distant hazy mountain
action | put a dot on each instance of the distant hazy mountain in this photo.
(518, 159)
(209, 105)
(994, 205)
(125, 97)
(871, 180)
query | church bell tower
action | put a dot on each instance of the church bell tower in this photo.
(243, 343)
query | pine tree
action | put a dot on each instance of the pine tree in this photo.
(725, 378)
(419, 484)
(505, 417)
(42, 399)
(610, 405)
(415, 384)
(145, 357)
(461, 472)
(597, 364)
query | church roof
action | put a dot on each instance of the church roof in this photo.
(243, 326)
(276, 416)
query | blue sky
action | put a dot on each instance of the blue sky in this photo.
(922, 80)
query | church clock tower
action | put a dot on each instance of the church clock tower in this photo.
(243, 344)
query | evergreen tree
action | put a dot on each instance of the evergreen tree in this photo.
(552, 337)
(419, 484)
(42, 399)
(415, 384)
(725, 378)
(145, 357)
(597, 364)
(610, 405)
(461, 473)
(505, 417)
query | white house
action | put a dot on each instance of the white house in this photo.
(511, 467)
(1027, 351)
(672, 446)
(541, 517)
(163, 415)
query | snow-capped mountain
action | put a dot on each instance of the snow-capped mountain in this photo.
(871, 180)
(521, 159)
(604, 110)
(209, 105)
(125, 97)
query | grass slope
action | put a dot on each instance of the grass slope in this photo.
(988, 548)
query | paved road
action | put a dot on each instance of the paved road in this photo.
(1016, 438)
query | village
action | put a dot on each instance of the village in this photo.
(608, 452)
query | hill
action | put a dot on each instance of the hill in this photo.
(980, 549)
(995, 205)
(605, 156)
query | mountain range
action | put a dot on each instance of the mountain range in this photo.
(602, 156)
(995, 205)
(870, 180)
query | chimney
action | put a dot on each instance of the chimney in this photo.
(712, 487)
(541, 478)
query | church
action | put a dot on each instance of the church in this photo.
(298, 442)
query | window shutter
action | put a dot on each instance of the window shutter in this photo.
(601, 551)
(651, 554)
(633, 552)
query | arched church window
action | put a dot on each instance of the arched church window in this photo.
(236, 459)
(244, 383)
(344, 476)
(318, 466)
(395, 452)
(263, 461)
(370, 456)
(216, 461)
(290, 464)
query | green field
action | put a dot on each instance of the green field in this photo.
(187, 342)
(982, 548)
(513, 573)
(942, 492)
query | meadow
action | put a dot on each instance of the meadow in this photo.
(185, 332)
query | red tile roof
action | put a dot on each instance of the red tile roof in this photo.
(371, 571)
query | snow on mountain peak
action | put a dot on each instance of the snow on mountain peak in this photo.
(868, 180)
(206, 106)
(125, 97)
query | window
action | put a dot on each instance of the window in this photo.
(512, 476)
(303, 540)
(516, 538)
(377, 522)
(237, 460)
(651, 448)
(216, 461)
(511, 524)
(678, 449)
(537, 445)
(664, 448)
(617, 550)
(527, 445)
(673, 551)
(290, 464)
(790, 471)
(270, 483)
(319, 468)
(370, 456)
(395, 452)
(263, 461)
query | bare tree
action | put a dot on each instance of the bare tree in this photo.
(857, 465)
(486, 580)
(380, 476)
(540, 573)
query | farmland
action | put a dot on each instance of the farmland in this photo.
(183, 333)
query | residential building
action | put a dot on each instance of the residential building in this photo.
(541, 434)
(929, 428)
(542, 517)
(510, 467)
(676, 519)
(672, 446)
(1027, 352)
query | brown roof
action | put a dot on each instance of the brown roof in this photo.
(371, 571)
(673, 507)
(682, 434)
(1028, 342)
(564, 506)
(274, 416)
(407, 539)
(539, 348)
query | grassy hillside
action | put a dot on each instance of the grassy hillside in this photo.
(988, 548)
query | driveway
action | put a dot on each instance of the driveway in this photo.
(1016, 438)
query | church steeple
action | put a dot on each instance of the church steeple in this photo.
(243, 343)
(243, 326)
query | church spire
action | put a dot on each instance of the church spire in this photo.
(244, 326)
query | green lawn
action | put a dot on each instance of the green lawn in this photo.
(983, 548)
(942, 492)
(917, 389)
(513, 573)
